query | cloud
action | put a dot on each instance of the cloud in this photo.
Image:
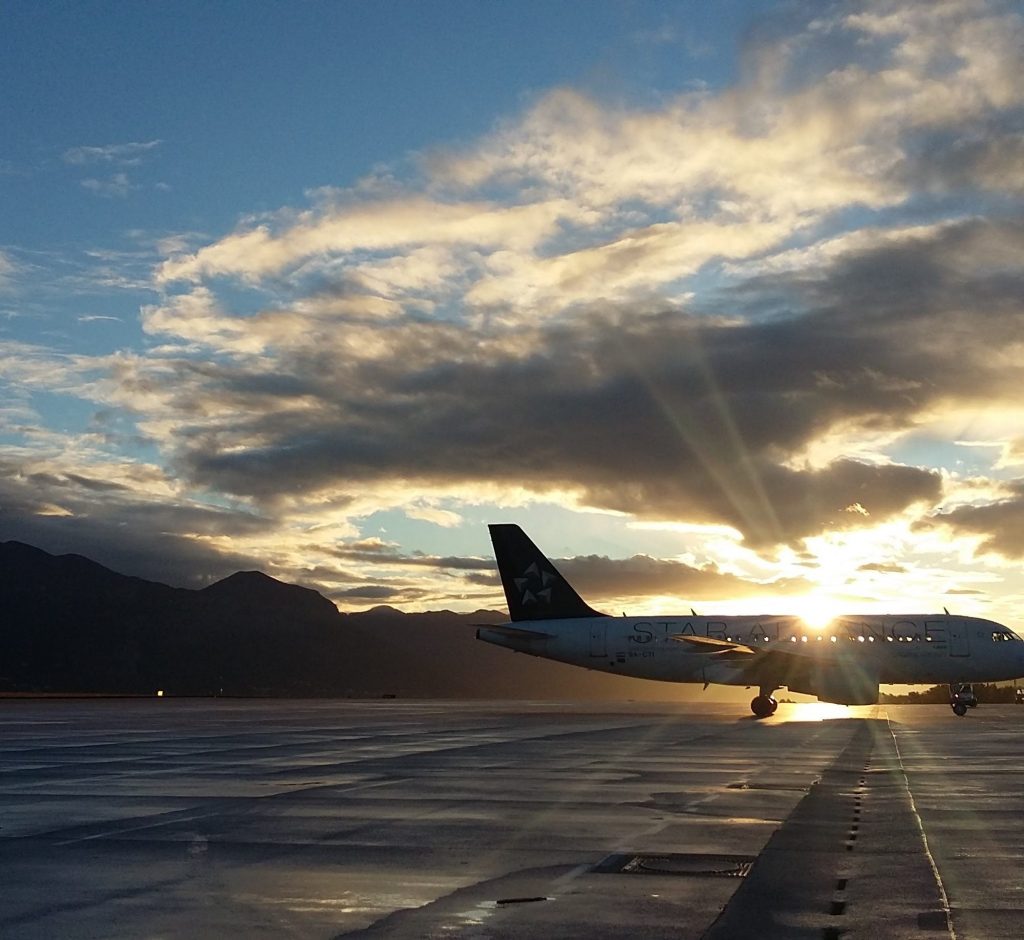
(722, 309)
(121, 156)
(9, 271)
(638, 262)
(883, 568)
(117, 185)
(28, 366)
(363, 227)
(596, 576)
(126, 517)
(127, 154)
(448, 339)
(428, 513)
(998, 525)
(371, 592)
(379, 552)
(199, 316)
(609, 202)
(661, 412)
(826, 114)
(1012, 454)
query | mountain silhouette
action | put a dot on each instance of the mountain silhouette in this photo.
(70, 625)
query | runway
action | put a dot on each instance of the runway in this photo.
(218, 818)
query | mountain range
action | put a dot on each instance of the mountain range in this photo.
(70, 625)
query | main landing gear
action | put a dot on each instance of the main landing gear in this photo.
(763, 705)
(962, 697)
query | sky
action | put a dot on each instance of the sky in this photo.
(723, 303)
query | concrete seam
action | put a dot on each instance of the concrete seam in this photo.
(924, 838)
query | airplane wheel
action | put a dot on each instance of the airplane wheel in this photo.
(763, 705)
(960, 709)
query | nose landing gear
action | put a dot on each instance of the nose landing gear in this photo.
(962, 697)
(764, 705)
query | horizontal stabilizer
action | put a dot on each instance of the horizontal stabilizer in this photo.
(515, 633)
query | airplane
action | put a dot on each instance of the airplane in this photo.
(843, 663)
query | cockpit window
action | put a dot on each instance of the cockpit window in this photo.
(999, 636)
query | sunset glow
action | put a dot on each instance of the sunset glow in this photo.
(720, 302)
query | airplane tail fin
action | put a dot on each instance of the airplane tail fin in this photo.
(533, 587)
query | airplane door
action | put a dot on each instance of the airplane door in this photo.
(958, 645)
(599, 639)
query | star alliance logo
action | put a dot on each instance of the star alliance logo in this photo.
(535, 585)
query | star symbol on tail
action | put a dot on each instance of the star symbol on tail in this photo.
(535, 586)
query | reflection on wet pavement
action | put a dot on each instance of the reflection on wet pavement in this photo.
(401, 819)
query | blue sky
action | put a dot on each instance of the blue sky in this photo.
(131, 123)
(254, 104)
(720, 301)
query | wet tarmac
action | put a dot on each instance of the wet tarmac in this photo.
(173, 819)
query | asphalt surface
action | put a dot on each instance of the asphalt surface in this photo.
(164, 818)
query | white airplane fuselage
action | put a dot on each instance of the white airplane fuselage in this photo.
(844, 662)
(910, 649)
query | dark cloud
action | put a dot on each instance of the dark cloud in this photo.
(596, 576)
(372, 592)
(370, 550)
(118, 527)
(126, 548)
(483, 580)
(983, 156)
(664, 414)
(1000, 524)
(704, 413)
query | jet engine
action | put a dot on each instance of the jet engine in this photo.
(845, 683)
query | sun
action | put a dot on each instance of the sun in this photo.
(816, 610)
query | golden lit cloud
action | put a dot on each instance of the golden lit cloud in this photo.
(374, 226)
(781, 320)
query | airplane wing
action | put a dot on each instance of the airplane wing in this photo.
(708, 644)
(800, 669)
(755, 663)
